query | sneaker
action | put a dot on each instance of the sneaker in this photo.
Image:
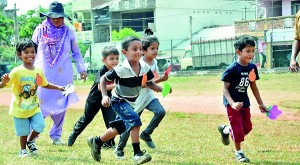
(23, 153)
(109, 144)
(58, 141)
(225, 137)
(72, 139)
(141, 157)
(241, 158)
(95, 149)
(119, 154)
(32, 147)
(147, 139)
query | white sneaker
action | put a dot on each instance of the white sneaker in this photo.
(58, 141)
(141, 158)
(23, 153)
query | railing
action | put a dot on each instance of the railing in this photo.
(259, 25)
(132, 5)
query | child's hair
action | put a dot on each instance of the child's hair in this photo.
(25, 43)
(126, 41)
(107, 50)
(242, 41)
(148, 40)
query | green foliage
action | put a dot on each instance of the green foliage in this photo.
(117, 36)
(83, 48)
(7, 53)
(6, 29)
(29, 21)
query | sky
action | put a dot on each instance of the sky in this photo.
(24, 5)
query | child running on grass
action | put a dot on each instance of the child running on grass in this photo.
(146, 98)
(129, 79)
(24, 108)
(237, 77)
(110, 58)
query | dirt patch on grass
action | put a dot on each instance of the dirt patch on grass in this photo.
(175, 102)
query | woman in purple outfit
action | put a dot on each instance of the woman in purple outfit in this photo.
(55, 41)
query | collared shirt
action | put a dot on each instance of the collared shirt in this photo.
(128, 84)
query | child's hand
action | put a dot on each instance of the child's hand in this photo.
(263, 108)
(5, 78)
(105, 101)
(237, 105)
(62, 88)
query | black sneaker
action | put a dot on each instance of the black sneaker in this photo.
(72, 138)
(32, 147)
(95, 149)
(141, 158)
(225, 137)
(147, 139)
(241, 158)
(109, 144)
(119, 154)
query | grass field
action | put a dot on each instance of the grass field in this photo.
(181, 138)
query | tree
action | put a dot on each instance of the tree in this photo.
(117, 36)
(6, 29)
(28, 22)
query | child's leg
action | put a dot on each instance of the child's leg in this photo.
(90, 112)
(134, 134)
(108, 116)
(37, 124)
(23, 141)
(159, 113)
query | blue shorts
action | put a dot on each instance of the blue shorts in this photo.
(126, 113)
(22, 125)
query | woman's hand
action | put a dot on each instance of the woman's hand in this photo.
(83, 75)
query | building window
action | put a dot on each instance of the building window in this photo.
(295, 7)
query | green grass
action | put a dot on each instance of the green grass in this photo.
(181, 138)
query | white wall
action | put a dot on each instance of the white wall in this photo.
(286, 7)
(172, 18)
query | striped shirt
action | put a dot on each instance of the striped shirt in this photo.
(128, 84)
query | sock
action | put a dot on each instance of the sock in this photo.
(226, 129)
(239, 152)
(136, 148)
(98, 141)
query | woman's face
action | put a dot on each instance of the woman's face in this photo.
(57, 21)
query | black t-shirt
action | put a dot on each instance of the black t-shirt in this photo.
(95, 96)
(238, 77)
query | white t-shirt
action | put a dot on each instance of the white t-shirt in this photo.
(146, 94)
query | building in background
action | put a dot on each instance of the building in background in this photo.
(275, 29)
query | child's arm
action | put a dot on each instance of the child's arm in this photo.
(4, 79)
(53, 86)
(108, 87)
(152, 85)
(234, 105)
(105, 99)
(162, 78)
(256, 94)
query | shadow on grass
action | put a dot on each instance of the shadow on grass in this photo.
(273, 163)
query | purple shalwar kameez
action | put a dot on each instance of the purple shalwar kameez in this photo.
(53, 56)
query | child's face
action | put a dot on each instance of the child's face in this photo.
(27, 55)
(246, 55)
(134, 51)
(111, 61)
(152, 51)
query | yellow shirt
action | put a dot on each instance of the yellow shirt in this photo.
(297, 26)
(24, 84)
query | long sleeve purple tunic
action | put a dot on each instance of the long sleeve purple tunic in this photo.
(54, 57)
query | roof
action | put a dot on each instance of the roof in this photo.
(210, 34)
